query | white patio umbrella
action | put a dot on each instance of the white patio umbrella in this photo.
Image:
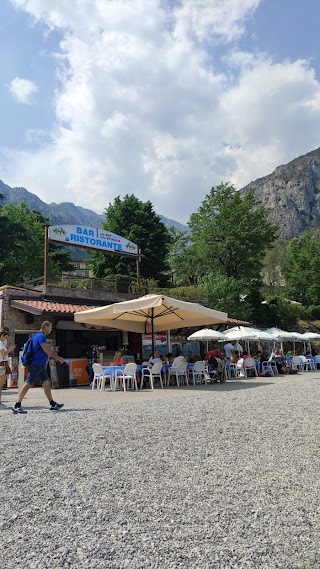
(151, 313)
(238, 333)
(246, 333)
(205, 335)
(283, 335)
(308, 337)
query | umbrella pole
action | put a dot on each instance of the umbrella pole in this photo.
(152, 331)
(168, 341)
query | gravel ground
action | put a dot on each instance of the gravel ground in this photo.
(223, 476)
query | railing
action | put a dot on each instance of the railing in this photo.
(108, 284)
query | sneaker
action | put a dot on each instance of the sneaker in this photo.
(19, 410)
(56, 406)
(3, 406)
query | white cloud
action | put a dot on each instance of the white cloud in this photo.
(143, 108)
(23, 90)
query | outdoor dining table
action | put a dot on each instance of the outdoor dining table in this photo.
(111, 370)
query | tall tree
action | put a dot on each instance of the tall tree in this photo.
(135, 220)
(302, 269)
(231, 233)
(22, 253)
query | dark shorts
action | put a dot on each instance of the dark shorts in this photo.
(37, 372)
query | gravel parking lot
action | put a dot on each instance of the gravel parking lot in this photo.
(218, 476)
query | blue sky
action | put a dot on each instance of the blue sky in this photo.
(162, 98)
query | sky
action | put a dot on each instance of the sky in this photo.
(160, 98)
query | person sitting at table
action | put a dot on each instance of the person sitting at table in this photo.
(127, 357)
(117, 358)
(279, 359)
(245, 355)
(169, 358)
(195, 358)
(234, 357)
(178, 359)
(215, 353)
(155, 360)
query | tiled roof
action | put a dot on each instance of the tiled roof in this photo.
(237, 322)
(47, 307)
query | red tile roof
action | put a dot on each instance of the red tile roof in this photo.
(238, 322)
(45, 306)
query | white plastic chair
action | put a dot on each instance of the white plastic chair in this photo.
(317, 362)
(198, 373)
(269, 366)
(307, 363)
(296, 363)
(232, 371)
(128, 374)
(99, 378)
(178, 372)
(151, 374)
(240, 368)
(248, 363)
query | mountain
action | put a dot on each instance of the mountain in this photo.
(292, 194)
(66, 212)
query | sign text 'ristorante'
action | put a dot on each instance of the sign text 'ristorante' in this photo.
(92, 238)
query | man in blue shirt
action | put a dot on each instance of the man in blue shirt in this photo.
(37, 369)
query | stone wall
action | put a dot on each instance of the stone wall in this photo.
(14, 318)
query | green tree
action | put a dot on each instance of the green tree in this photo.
(229, 295)
(13, 236)
(274, 266)
(135, 220)
(302, 269)
(231, 233)
(22, 255)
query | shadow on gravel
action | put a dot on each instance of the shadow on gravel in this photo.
(227, 386)
(232, 385)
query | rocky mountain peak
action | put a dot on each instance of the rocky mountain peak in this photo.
(292, 194)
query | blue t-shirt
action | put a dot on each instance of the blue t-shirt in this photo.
(39, 357)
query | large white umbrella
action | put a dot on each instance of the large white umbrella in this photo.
(310, 336)
(239, 333)
(279, 334)
(205, 335)
(283, 335)
(151, 313)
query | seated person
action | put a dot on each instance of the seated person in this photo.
(178, 359)
(195, 358)
(169, 358)
(234, 357)
(245, 355)
(278, 357)
(117, 359)
(127, 357)
(215, 353)
(155, 360)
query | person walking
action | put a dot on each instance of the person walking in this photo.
(4, 351)
(37, 369)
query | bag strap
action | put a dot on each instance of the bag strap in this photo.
(32, 345)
